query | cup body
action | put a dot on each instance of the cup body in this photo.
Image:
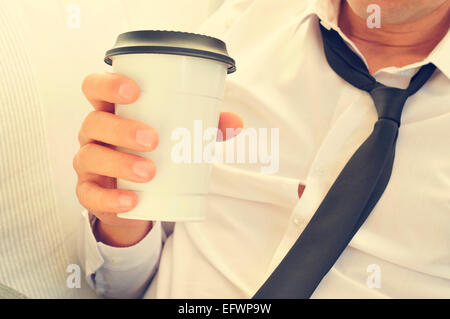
(180, 97)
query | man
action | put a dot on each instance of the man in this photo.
(284, 81)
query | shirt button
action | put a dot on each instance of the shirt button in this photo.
(298, 220)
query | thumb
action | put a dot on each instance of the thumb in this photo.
(230, 125)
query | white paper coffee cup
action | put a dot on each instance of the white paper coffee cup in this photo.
(181, 77)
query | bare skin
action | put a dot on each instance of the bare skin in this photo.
(410, 30)
(98, 164)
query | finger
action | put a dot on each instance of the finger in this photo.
(114, 130)
(104, 161)
(104, 89)
(98, 199)
(230, 125)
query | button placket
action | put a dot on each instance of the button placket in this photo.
(317, 181)
(298, 220)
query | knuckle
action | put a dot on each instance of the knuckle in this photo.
(79, 191)
(91, 116)
(82, 191)
(86, 85)
(88, 121)
(80, 136)
(114, 83)
(84, 155)
(75, 163)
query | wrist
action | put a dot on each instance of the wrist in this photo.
(120, 236)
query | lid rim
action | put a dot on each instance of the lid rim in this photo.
(172, 50)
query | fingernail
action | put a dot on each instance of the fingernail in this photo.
(127, 91)
(125, 201)
(146, 138)
(142, 169)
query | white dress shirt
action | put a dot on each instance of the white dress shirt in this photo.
(45, 52)
(283, 81)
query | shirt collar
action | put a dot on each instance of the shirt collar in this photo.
(328, 12)
(439, 56)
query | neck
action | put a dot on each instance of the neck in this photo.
(395, 44)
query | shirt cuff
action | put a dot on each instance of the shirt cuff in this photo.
(95, 255)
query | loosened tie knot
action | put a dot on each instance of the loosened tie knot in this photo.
(389, 102)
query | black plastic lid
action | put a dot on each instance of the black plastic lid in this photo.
(171, 42)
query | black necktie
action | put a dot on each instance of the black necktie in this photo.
(357, 188)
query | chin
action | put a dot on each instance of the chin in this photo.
(398, 11)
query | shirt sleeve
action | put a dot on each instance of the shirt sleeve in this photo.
(119, 272)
